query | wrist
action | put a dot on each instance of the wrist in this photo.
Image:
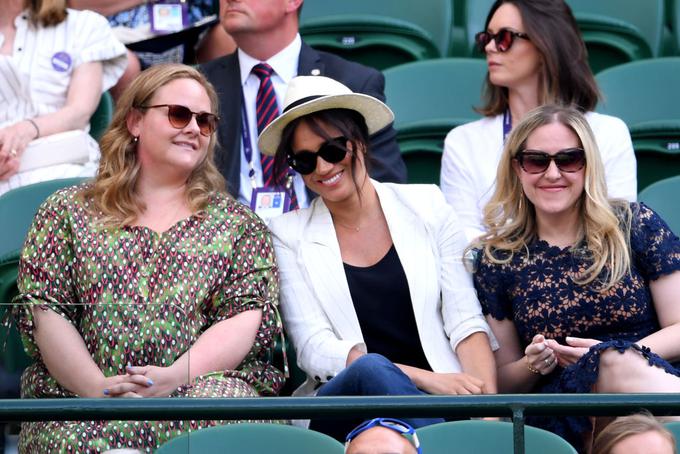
(34, 125)
(531, 368)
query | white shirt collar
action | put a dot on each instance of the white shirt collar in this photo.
(285, 63)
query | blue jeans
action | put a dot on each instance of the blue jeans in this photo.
(370, 375)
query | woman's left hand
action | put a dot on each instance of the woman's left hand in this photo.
(569, 354)
(164, 380)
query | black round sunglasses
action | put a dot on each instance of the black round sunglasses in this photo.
(332, 151)
(504, 38)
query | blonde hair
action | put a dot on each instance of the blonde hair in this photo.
(46, 12)
(627, 426)
(113, 193)
(510, 218)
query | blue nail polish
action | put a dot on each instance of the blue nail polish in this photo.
(106, 392)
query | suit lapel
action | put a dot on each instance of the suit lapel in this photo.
(230, 94)
(310, 63)
(321, 256)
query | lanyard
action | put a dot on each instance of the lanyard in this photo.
(507, 124)
(248, 151)
(247, 144)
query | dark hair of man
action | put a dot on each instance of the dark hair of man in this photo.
(566, 77)
(349, 123)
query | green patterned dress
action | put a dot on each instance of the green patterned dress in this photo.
(142, 298)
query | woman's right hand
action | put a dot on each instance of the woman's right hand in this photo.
(539, 356)
(443, 383)
(125, 385)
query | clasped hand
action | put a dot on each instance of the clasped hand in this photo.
(544, 354)
(13, 141)
(142, 381)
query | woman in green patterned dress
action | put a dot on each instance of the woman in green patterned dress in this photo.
(149, 281)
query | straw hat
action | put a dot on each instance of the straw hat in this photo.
(309, 94)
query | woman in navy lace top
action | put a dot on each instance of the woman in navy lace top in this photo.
(581, 291)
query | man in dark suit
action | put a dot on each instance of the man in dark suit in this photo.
(266, 31)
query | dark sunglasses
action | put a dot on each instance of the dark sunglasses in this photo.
(180, 116)
(394, 424)
(332, 151)
(503, 39)
(568, 160)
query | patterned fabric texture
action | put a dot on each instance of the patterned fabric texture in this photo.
(536, 291)
(142, 298)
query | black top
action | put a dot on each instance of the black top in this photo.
(383, 305)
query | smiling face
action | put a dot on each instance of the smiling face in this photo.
(555, 194)
(520, 65)
(162, 148)
(333, 182)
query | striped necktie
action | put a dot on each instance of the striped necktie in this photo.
(267, 110)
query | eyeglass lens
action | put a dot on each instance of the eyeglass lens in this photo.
(569, 160)
(180, 116)
(503, 39)
(332, 151)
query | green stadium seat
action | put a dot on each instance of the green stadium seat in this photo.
(619, 31)
(662, 197)
(429, 98)
(379, 33)
(487, 437)
(475, 18)
(644, 94)
(17, 208)
(674, 427)
(102, 116)
(252, 439)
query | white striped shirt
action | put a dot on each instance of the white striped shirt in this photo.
(35, 79)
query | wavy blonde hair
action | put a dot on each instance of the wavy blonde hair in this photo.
(113, 193)
(510, 218)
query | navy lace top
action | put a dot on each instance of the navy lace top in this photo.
(536, 291)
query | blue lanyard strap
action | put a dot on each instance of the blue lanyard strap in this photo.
(507, 123)
(247, 144)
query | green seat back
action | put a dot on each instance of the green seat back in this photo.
(18, 207)
(644, 94)
(619, 31)
(379, 33)
(102, 116)
(615, 31)
(487, 437)
(674, 427)
(662, 197)
(252, 439)
(429, 98)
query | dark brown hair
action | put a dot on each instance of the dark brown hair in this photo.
(566, 76)
(350, 123)
(47, 13)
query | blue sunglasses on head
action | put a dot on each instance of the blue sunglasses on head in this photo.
(393, 424)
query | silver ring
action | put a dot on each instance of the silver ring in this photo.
(547, 361)
(13, 153)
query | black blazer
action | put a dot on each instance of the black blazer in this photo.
(224, 74)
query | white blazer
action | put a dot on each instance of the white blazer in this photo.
(316, 303)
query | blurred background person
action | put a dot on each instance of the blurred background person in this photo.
(535, 56)
(134, 14)
(383, 436)
(270, 54)
(150, 281)
(635, 434)
(55, 63)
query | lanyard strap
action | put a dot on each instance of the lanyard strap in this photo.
(247, 143)
(507, 123)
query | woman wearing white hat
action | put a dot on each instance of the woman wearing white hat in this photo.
(374, 292)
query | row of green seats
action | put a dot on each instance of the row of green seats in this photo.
(385, 33)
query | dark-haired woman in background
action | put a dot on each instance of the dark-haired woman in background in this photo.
(535, 56)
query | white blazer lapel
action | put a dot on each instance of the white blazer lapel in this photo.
(320, 255)
(411, 240)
